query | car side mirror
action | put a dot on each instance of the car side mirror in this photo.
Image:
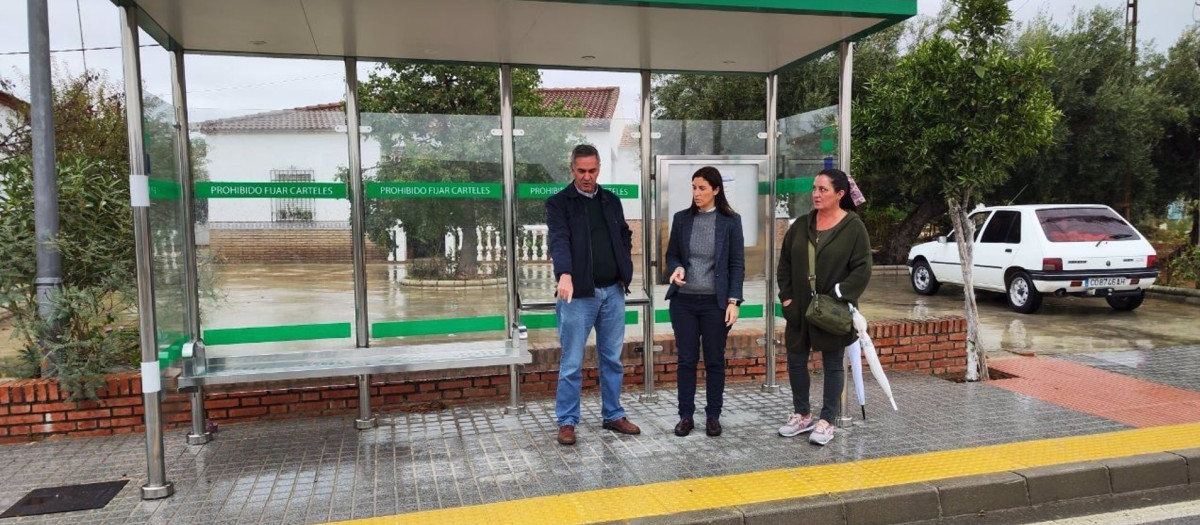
(941, 239)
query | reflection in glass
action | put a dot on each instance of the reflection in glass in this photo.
(273, 219)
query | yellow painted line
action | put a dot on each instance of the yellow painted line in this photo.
(684, 495)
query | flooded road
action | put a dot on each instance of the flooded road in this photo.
(252, 295)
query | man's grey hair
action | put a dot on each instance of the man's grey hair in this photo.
(584, 150)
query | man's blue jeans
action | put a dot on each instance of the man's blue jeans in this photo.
(605, 312)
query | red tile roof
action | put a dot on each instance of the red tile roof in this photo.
(598, 103)
(11, 101)
(319, 118)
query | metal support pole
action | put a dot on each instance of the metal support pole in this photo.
(156, 485)
(512, 313)
(191, 294)
(771, 385)
(649, 225)
(358, 208)
(845, 82)
(45, 174)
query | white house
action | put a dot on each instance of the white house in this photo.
(12, 109)
(309, 144)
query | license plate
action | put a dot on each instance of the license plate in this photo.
(1097, 282)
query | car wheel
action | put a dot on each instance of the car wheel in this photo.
(1126, 303)
(922, 279)
(1022, 296)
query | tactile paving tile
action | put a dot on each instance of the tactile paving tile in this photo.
(321, 469)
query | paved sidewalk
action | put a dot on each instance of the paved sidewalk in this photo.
(320, 470)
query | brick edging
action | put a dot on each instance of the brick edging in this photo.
(34, 409)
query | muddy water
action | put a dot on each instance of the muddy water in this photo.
(256, 295)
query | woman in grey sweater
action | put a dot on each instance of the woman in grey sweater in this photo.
(706, 258)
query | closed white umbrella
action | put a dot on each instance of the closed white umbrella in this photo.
(854, 352)
(868, 350)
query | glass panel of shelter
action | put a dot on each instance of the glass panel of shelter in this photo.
(741, 146)
(807, 145)
(272, 213)
(433, 184)
(166, 205)
(604, 117)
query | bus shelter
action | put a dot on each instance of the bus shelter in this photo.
(768, 166)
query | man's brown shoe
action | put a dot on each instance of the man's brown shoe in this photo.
(712, 427)
(566, 435)
(622, 426)
(684, 427)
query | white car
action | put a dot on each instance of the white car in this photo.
(1031, 250)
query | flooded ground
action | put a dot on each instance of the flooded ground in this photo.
(259, 295)
(256, 296)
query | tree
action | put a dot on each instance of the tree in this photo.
(97, 304)
(956, 114)
(1112, 118)
(809, 86)
(434, 123)
(1178, 152)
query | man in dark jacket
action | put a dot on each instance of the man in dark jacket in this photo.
(590, 244)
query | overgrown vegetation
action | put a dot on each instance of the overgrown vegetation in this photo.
(94, 314)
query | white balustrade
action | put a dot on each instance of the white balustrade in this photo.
(533, 244)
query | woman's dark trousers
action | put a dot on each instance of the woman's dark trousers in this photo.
(699, 322)
(835, 381)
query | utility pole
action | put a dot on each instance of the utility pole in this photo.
(1131, 25)
(45, 175)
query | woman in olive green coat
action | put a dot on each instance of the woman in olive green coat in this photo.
(843, 269)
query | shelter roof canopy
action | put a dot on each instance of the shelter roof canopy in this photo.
(733, 36)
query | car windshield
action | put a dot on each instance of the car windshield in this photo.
(1084, 225)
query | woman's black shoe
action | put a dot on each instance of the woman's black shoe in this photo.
(684, 427)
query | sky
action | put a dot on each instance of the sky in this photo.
(224, 86)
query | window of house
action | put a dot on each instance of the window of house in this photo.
(292, 210)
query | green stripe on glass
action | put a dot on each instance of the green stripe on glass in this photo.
(787, 186)
(165, 190)
(744, 311)
(794, 186)
(544, 191)
(539, 321)
(538, 191)
(778, 310)
(462, 325)
(270, 190)
(267, 334)
(662, 316)
(453, 325)
(750, 310)
(434, 190)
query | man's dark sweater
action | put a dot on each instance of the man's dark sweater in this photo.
(604, 262)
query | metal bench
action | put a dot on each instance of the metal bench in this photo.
(200, 370)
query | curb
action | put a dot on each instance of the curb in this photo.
(889, 269)
(431, 283)
(1172, 293)
(1056, 491)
